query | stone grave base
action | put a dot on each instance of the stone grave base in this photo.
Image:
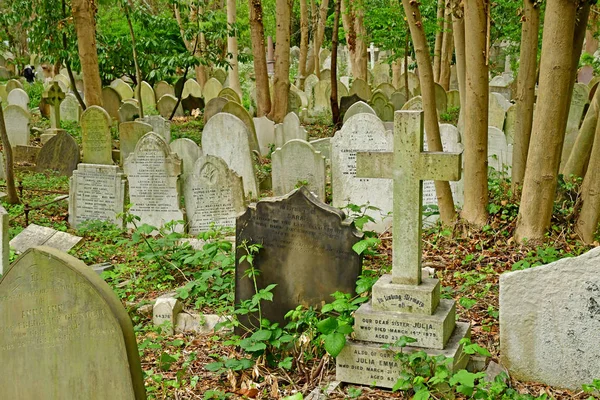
(430, 331)
(365, 363)
(417, 299)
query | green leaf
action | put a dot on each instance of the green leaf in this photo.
(327, 326)
(345, 329)
(334, 343)
(466, 302)
(255, 347)
(214, 366)
(286, 363)
(166, 360)
(422, 394)
(261, 335)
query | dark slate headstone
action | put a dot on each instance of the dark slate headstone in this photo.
(63, 327)
(347, 101)
(307, 252)
(191, 103)
(61, 153)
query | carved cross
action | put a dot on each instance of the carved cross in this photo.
(54, 96)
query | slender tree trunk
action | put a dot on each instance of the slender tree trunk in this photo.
(281, 79)
(335, 110)
(591, 42)
(67, 61)
(232, 48)
(138, 73)
(476, 119)
(354, 27)
(549, 122)
(525, 90)
(439, 38)
(434, 141)
(319, 36)
(396, 72)
(11, 191)
(587, 222)
(303, 43)
(406, 88)
(257, 35)
(85, 24)
(447, 50)
(580, 155)
(458, 30)
(310, 61)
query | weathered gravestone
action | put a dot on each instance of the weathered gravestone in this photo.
(361, 89)
(111, 101)
(18, 97)
(550, 322)
(191, 88)
(496, 111)
(128, 112)
(499, 151)
(230, 94)
(160, 125)
(166, 105)
(414, 104)
(288, 130)
(124, 90)
(211, 89)
(70, 110)
(382, 107)
(239, 111)
(214, 107)
(95, 136)
(96, 193)
(60, 153)
(226, 136)
(192, 103)
(297, 162)
(359, 107)
(162, 88)
(74, 338)
(348, 101)
(152, 172)
(214, 194)
(188, 152)
(403, 304)
(307, 252)
(363, 132)
(129, 134)
(35, 235)
(265, 134)
(17, 125)
(579, 100)
(13, 84)
(148, 96)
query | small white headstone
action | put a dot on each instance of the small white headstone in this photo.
(297, 162)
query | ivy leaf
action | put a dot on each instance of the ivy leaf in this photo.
(334, 343)
(327, 326)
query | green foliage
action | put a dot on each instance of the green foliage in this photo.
(34, 91)
(541, 256)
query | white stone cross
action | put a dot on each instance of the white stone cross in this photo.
(372, 50)
(408, 166)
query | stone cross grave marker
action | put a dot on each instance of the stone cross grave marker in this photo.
(408, 166)
(54, 96)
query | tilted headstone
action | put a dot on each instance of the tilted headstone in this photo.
(226, 136)
(362, 132)
(166, 105)
(404, 304)
(230, 95)
(579, 100)
(188, 152)
(499, 151)
(96, 193)
(162, 88)
(453, 98)
(550, 322)
(124, 90)
(129, 112)
(70, 109)
(213, 107)
(60, 154)
(17, 120)
(129, 134)
(265, 134)
(95, 136)
(239, 111)
(359, 107)
(111, 101)
(214, 194)
(307, 252)
(441, 99)
(496, 111)
(211, 89)
(348, 101)
(36, 235)
(13, 84)
(148, 96)
(191, 87)
(414, 104)
(67, 325)
(295, 164)
(382, 107)
(220, 75)
(288, 130)
(159, 125)
(18, 97)
(361, 88)
(153, 171)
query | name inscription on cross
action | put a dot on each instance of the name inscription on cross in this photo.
(408, 166)
(54, 96)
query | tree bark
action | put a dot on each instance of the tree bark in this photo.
(67, 61)
(319, 36)
(138, 73)
(335, 110)
(310, 61)
(580, 155)
(354, 27)
(591, 43)
(447, 50)
(525, 96)
(257, 35)
(281, 79)
(11, 191)
(232, 48)
(303, 43)
(587, 222)
(434, 141)
(476, 119)
(84, 12)
(439, 38)
(458, 30)
(549, 124)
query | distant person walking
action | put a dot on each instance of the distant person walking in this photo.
(29, 74)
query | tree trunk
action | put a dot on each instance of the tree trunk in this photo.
(138, 73)
(318, 42)
(458, 30)
(476, 118)
(580, 155)
(335, 110)
(591, 42)
(257, 35)
(85, 24)
(281, 79)
(11, 191)
(525, 95)
(310, 61)
(354, 27)
(432, 127)
(549, 122)
(447, 50)
(232, 48)
(303, 43)
(587, 222)
(67, 61)
(439, 38)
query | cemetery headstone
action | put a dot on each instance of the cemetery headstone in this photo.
(60, 153)
(211, 89)
(67, 325)
(497, 111)
(298, 163)
(191, 87)
(550, 322)
(17, 120)
(166, 104)
(414, 104)
(321, 103)
(95, 136)
(152, 172)
(381, 74)
(307, 252)
(499, 151)
(188, 152)
(220, 75)
(96, 193)
(288, 130)
(265, 134)
(192, 103)
(359, 107)
(226, 136)
(579, 99)
(128, 112)
(441, 99)
(386, 88)
(148, 96)
(239, 111)
(453, 97)
(347, 101)
(70, 110)
(4, 242)
(230, 95)
(361, 88)
(162, 88)
(214, 194)
(125, 91)
(129, 134)
(382, 107)
(160, 125)
(111, 101)
(509, 124)
(13, 84)
(398, 99)
(18, 97)
(213, 107)
(36, 235)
